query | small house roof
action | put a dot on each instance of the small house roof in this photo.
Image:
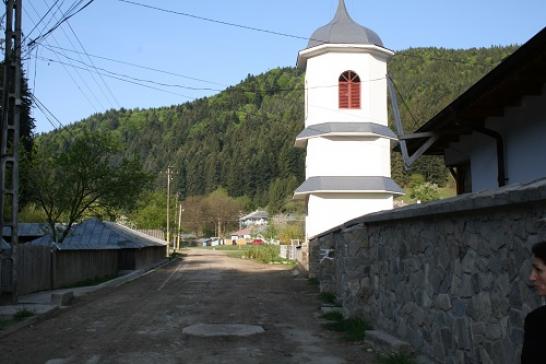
(259, 214)
(94, 234)
(4, 245)
(28, 229)
(343, 30)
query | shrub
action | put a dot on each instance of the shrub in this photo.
(396, 358)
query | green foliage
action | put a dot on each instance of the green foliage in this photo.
(353, 329)
(425, 192)
(22, 314)
(151, 210)
(90, 282)
(396, 358)
(333, 316)
(328, 297)
(70, 176)
(263, 253)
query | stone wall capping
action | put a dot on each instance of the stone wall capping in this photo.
(509, 195)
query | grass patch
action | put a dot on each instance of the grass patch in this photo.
(353, 329)
(396, 358)
(328, 297)
(268, 254)
(333, 316)
(22, 314)
(5, 322)
(90, 282)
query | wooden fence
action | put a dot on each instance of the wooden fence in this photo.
(39, 268)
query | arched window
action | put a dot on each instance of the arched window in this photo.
(349, 90)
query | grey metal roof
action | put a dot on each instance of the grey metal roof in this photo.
(348, 184)
(4, 245)
(28, 229)
(344, 128)
(343, 30)
(94, 234)
(256, 215)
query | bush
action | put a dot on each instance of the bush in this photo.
(328, 297)
(396, 358)
(425, 192)
(263, 253)
(354, 329)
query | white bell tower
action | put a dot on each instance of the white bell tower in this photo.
(348, 166)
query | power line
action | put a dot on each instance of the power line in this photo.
(210, 20)
(64, 19)
(135, 65)
(114, 76)
(70, 74)
(109, 95)
(41, 19)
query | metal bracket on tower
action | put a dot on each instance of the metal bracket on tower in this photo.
(402, 137)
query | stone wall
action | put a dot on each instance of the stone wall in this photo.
(449, 277)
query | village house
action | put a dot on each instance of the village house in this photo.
(493, 134)
(256, 218)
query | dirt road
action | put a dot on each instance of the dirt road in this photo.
(143, 321)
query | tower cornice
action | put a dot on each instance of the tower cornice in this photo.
(308, 53)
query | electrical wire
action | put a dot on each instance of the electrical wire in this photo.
(108, 94)
(58, 24)
(41, 20)
(210, 20)
(70, 74)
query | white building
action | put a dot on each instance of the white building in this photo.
(256, 218)
(348, 142)
(493, 134)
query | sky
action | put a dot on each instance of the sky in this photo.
(115, 54)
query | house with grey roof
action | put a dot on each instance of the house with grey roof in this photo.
(27, 231)
(97, 248)
(256, 218)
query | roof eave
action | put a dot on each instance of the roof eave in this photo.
(307, 53)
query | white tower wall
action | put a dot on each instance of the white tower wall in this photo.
(322, 77)
(331, 210)
(344, 156)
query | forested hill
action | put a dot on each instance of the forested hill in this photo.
(242, 138)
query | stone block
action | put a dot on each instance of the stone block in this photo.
(387, 342)
(443, 302)
(62, 299)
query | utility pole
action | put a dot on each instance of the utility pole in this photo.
(168, 195)
(179, 223)
(10, 115)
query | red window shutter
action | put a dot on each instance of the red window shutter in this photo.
(354, 96)
(349, 90)
(343, 95)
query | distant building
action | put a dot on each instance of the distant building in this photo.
(256, 218)
(493, 134)
(346, 133)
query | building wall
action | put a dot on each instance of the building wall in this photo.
(523, 129)
(326, 211)
(322, 76)
(449, 277)
(348, 157)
